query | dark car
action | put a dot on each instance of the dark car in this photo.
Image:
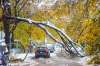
(42, 52)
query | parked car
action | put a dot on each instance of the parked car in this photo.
(3, 53)
(50, 47)
(2, 58)
(42, 52)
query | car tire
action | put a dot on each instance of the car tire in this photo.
(48, 56)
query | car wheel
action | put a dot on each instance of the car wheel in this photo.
(48, 56)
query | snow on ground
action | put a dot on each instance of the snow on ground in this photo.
(80, 60)
(22, 55)
(58, 58)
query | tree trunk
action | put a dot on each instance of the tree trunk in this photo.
(6, 22)
(6, 31)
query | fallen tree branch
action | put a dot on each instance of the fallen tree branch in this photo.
(40, 23)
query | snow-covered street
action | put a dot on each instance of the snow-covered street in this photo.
(54, 60)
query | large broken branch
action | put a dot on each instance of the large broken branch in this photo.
(40, 23)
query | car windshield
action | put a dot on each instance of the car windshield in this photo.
(41, 48)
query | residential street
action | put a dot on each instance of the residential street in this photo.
(54, 60)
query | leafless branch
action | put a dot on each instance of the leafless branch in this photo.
(23, 5)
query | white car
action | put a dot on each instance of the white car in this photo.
(3, 44)
(51, 47)
(3, 51)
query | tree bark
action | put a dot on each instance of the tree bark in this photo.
(6, 22)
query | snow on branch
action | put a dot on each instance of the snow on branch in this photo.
(57, 29)
(49, 34)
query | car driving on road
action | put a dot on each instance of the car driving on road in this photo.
(42, 52)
